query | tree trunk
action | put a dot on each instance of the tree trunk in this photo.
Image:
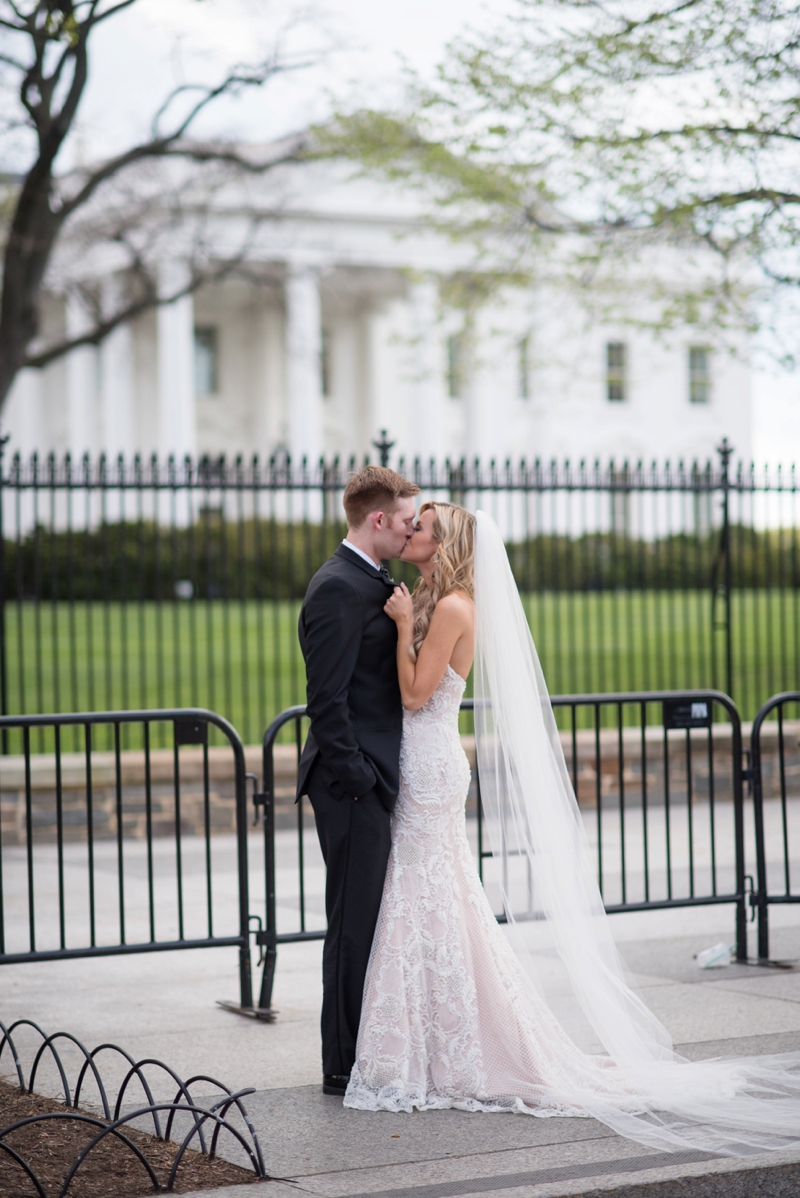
(30, 244)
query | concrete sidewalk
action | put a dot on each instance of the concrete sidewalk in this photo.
(163, 1005)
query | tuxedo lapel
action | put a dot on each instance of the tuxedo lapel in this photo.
(354, 560)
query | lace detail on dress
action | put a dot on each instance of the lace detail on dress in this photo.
(449, 1018)
(444, 1022)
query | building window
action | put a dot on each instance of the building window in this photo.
(206, 361)
(524, 367)
(325, 363)
(616, 371)
(699, 374)
(456, 353)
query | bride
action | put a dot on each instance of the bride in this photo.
(454, 1013)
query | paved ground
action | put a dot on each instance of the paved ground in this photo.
(163, 1005)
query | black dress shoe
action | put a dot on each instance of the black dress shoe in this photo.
(334, 1084)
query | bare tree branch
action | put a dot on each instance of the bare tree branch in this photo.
(167, 145)
(149, 299)
(52, 80)
(112, 12)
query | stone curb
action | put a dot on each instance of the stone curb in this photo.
(773, 1175)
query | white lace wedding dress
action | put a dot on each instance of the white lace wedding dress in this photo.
(454, 1013)
(444, 1023)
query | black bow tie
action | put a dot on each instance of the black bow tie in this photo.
(386, 576)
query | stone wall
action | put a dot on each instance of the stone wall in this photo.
(221, 803)
(221, 812)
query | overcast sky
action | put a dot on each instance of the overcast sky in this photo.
(355, 48)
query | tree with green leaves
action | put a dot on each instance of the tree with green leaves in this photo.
(108, 204)
(611, 127)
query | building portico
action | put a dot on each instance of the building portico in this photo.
(339, 324)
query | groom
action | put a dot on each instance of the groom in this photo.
(350, 764)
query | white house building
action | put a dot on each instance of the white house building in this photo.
(339, 327)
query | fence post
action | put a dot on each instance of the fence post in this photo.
(760, 896)
(3, 674)
(738, 815)
(245, 971)
(725, 450)
(384, 447)
(270, 931)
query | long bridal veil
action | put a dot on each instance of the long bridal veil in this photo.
(640, 1086)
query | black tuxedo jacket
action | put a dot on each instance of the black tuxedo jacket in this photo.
(353, 696)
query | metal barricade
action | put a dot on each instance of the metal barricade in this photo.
(659, 782)
(776, 811)
(98, 854)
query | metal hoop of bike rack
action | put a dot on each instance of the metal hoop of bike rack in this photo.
(207, 1116)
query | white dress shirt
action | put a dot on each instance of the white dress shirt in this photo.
(361, 553)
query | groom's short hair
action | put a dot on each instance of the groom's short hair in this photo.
(374, 489)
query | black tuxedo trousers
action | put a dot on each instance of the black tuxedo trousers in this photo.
(349, 769)
(355, 839)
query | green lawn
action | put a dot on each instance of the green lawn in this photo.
(243, 660)
(636, 640)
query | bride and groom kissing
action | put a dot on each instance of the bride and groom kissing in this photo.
(427, 1002)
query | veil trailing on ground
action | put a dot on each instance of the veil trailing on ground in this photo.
(642, 1088)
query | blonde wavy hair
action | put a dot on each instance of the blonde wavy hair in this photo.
(454, 563)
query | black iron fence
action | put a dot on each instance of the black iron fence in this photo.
(110, 852)
(143, 584)
(658, 776)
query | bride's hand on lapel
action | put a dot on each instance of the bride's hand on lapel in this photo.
(399, 605)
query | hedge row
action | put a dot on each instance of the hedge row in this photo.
(265, 560)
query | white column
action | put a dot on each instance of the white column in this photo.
(427, 426)
(117, 418)
(373, 349)
(485, 401)
(479, 439)
(177, 410)
(22, 418)
(81, 375)
(303, 364)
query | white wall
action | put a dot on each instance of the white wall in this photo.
(776, 415)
